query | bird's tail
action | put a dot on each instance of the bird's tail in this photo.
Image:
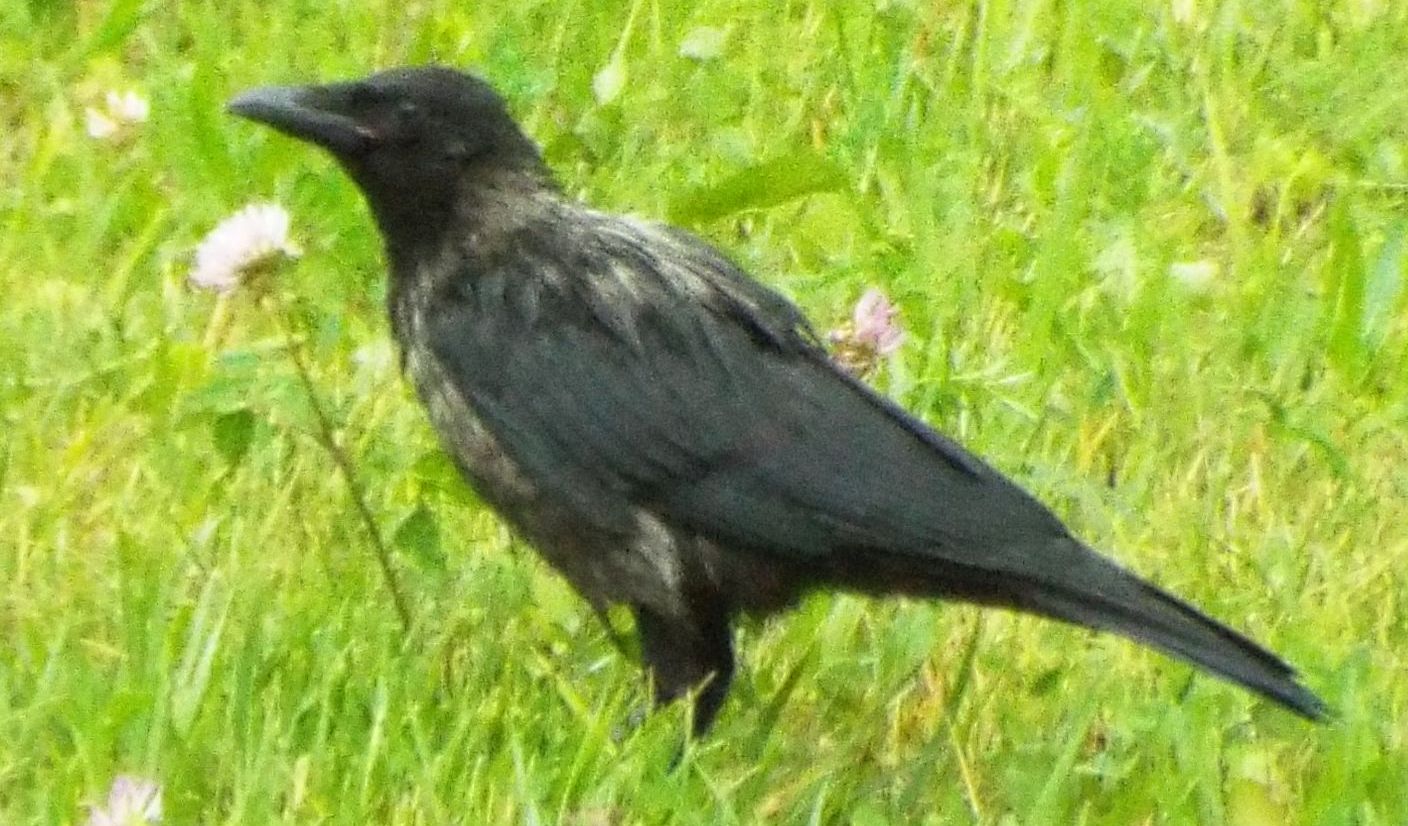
(1087, 589)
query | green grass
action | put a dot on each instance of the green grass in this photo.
(186, 593)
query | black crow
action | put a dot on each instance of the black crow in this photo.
(669, 433)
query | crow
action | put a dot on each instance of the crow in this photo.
(667, 432)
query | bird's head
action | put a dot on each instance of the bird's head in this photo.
(414, 139)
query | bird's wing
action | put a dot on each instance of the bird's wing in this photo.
(644, 370)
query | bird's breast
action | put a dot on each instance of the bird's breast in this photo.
(462, 431)
(645, 560)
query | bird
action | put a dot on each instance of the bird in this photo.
(669, 433)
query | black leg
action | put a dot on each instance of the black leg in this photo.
(683, 655)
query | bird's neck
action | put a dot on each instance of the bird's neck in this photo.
(464, 239)
(479, 222)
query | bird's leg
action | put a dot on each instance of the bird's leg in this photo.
(604, 617)
(684, 654)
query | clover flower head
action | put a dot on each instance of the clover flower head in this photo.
(875, 322)
(872, 333)
(1195, 276)
(132, 801)
(247, 243)
(121, 111)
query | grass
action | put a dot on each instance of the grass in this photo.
(1150, 257)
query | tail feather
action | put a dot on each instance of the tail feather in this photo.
(1062, 579)
(1094, 592)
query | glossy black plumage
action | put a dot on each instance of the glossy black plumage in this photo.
(665, 430)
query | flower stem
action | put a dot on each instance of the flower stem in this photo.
(219, 322)
(326, 435)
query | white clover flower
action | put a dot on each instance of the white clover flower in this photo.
(122, 110)
(1195, 276)
(132, 801)
(99, 125)
(242, 245)
(608, 83)
(1184, 11)
(128, 107)
(703, 43)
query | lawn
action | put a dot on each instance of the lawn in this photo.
(1149, 258)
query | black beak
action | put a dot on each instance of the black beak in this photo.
(312, 113)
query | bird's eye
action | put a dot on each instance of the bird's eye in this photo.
(406, 121)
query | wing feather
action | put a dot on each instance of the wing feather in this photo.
(653, 373)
